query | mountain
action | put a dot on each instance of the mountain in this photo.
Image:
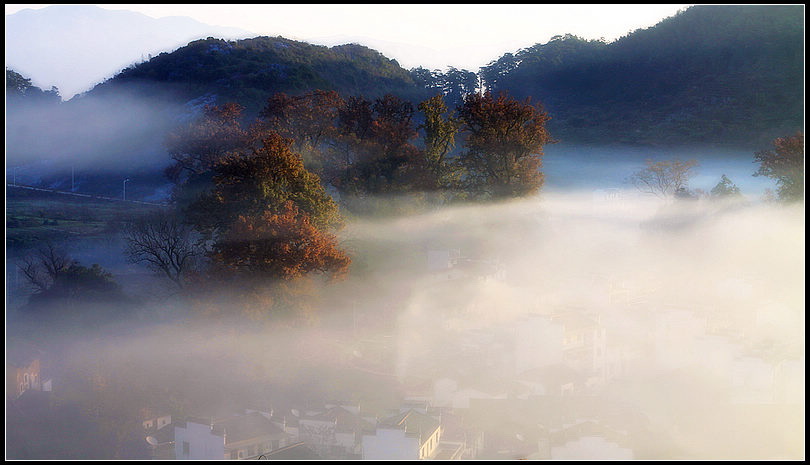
(74, 47)
(120, 125)
(249, 71)
(709, 74)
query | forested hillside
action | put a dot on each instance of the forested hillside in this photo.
(251, 70)
(724, 74)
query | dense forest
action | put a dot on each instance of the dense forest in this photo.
(710, 74)
(730, 75)
(251, 70)
(717, 74)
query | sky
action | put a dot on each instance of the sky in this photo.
(431, 36)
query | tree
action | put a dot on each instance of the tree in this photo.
(43, 267)
(282, 245)
(199, 145)
(308, 119)
(663, 178)
(725, 189)
(55, 275)
(373, 152)
(20, 88)
(503, 146)
(164, 243)
(440, 139)
(459, 83)
(263, 181)
(784, 164)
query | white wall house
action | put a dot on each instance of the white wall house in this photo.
(390, 444)
(236, 437)
(198, 441)
(335, 433)
(408, 435)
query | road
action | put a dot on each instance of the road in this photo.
(76, 194)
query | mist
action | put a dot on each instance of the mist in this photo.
(103, 133)
(692, 313)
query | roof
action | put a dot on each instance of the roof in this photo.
(163, 435)
(415, 423)
(239, 428)
(345, 421)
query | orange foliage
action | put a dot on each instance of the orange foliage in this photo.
(282, 245)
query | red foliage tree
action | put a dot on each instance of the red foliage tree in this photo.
(503, 146)
(284, 245)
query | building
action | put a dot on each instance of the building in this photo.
(24, 371)
(245, 436)
(159, 434)
(334, 433)
(408, 435)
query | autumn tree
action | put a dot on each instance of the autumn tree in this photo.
(503, 149)
(267, 216)
(163, 242)
(784, 164)
(249, 185)
(351, 143)
(283, 244)
(373, 151)
(663, 178)
(197, 146)
(308, 120)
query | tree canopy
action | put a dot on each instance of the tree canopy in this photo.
(784, 163)
(664, 178)
(503, 145)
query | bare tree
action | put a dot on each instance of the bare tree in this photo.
(44, 266)
(164, 243)
(663, 178)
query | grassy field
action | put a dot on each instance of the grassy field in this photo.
(34, 216)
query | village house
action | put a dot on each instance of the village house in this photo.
(24, 371)
(410, 434)
(159, 434)
(239, 436)
(334, 433)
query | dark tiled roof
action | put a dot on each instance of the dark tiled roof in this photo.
(345, 421)
(163, 435)
(414, 422)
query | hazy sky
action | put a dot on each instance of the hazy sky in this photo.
(432, 36)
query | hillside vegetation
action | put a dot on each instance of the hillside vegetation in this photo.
(716, 74)
(251, 70)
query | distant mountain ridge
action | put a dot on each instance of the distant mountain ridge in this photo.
(730, 75)
(711, 73)
(74, 47)
(249, 71)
